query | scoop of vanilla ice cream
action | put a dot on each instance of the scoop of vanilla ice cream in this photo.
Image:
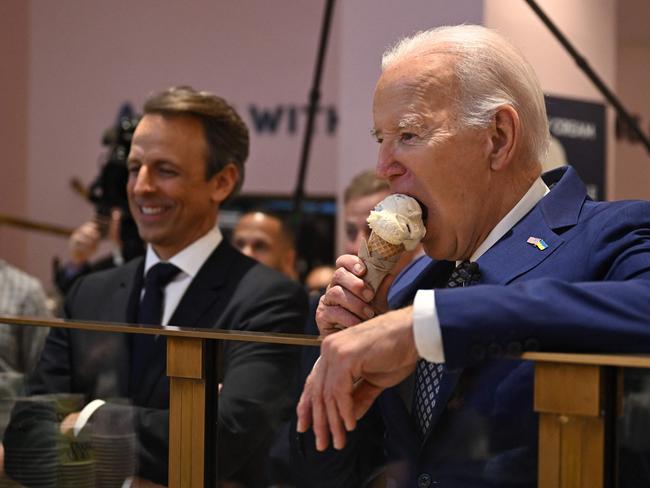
(398, 220)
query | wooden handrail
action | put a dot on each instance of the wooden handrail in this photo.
(570, 398)
(167, 330)
(619, 360)
(28, 224)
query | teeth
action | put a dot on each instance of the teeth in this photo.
(151, 210)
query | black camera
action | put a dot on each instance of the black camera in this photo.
(108, 191)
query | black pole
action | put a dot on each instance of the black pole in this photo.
(591, 74)
(314, 99)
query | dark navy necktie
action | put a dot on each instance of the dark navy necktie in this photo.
(150, 312)
(428, 376)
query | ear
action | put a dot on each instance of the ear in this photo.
(505, 132)
(224, 183)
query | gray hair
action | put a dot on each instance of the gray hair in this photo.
(490, 73)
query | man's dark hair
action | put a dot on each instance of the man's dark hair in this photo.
(364, 184)
(286, 230)
(225, 132)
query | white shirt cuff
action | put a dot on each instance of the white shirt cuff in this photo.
(426, 327)
(85, 414)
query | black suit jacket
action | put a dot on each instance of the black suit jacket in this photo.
(230, 291)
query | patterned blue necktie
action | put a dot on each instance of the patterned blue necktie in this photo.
(150, 312)
(428, 376)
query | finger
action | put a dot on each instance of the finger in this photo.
(303, 412)
(312, 408)
(345, 406)
(337, 310)
(352, 283)
(354, 264)
(319, 423)
(341, 297)
(335, 424)
(335, 318)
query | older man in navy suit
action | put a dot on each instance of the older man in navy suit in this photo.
(461, 125)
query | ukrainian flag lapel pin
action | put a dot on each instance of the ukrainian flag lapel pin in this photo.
(537, 242)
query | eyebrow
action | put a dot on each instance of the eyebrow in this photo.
(409, 121)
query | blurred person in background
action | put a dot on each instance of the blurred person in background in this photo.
(267, 238)
(318, 278)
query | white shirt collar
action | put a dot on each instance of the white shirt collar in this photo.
(534, 194)
(190, 259)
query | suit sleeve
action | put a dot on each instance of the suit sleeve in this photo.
(607, 313)
(259, 378)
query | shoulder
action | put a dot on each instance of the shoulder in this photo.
(16, 279)
(101, 281)
(246, 273)
(20, 292)
(266, 280)
(617, 214)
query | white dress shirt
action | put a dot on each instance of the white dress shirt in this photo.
(189, 261)
(426, 325)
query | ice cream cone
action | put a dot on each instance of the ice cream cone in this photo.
(397, 226)
(381, 248)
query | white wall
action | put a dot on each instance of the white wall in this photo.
(86, 58)
(73, 62)
(590, 26)
(633, 88)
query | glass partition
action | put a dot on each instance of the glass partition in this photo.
(219, 410)
(80, 421)
(633, 428)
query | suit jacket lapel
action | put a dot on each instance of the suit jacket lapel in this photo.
(204, 290)
(122, 308)
(513, 256)
(202, 295)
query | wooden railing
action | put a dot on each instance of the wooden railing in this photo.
(193, 389)
(574, 394)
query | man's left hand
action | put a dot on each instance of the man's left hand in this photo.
(355, 366)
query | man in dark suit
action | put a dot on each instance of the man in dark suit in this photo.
(516, 261)
(186, 158)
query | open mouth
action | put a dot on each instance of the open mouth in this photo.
(425, 210)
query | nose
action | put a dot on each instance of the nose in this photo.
(387, 165)
(143, 181)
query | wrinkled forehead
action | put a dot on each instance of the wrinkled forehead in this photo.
(416, 86)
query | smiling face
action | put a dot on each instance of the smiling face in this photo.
(423, 154)
(169, 197)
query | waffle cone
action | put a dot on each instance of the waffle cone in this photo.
(381, 248)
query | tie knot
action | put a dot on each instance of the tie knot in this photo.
(465, 274)
(161, 274)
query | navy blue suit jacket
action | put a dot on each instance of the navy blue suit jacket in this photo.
(588, 291)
